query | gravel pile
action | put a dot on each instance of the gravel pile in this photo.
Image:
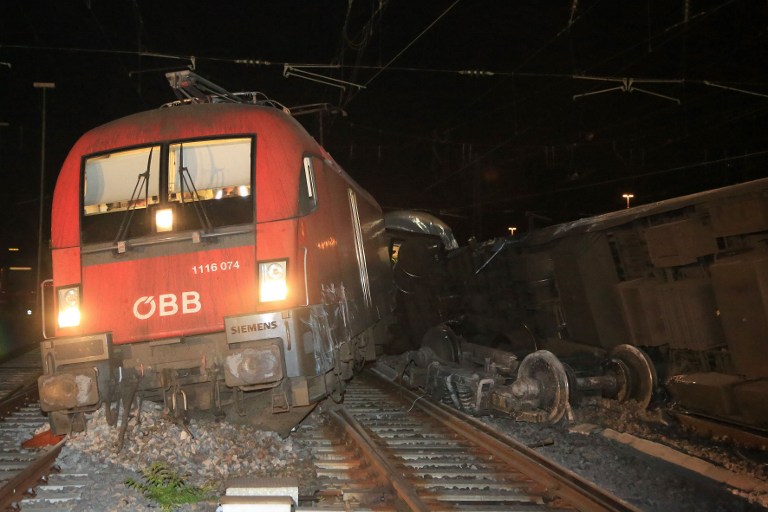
(205, 453)
(206, 450)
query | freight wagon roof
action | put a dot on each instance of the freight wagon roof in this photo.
(618, 218)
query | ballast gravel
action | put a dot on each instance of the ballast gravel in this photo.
(207, 452)
(644, 481)
(204, 452)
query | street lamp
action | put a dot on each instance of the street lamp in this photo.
(628, 197)
(44, 86)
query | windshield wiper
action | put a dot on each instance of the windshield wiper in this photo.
(186, 180)
(142, 179)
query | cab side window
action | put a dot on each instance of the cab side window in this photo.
(307, 188)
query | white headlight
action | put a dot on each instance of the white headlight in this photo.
(69, 306)
(164, 220)
(272, 281)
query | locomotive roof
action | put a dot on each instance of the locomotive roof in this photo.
(278, 135)
(187, 121)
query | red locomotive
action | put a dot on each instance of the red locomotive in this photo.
(204, 252)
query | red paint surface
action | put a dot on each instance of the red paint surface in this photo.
(111, 291)
(45, 438)
(114, 293)
(280, 144)
(67, 261)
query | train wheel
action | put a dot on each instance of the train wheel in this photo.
(542, 377)
(444, 343)
(634, 373)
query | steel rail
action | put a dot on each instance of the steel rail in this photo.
(17, 398)
(405, 491)
(14, 489)
(559, 481)
(710, 427)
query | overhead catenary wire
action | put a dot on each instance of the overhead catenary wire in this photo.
(193, 60)
(364, 36)
(698, 17)
(657, 172)
(693, 20)
(576, 14)
(413, 41)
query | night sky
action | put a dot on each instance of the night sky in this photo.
(486, 113)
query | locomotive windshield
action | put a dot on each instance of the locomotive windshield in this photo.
(111, 180)
(217, 169)
(202, 184)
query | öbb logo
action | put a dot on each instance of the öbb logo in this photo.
(167, 304)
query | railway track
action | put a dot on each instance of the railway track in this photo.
(388, 449)
(21, 469)
(385, 448)
(19, 372)
(29, 478)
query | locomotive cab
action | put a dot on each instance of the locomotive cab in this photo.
(204, 253)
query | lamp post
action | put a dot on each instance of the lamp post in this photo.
(44, 86)
(628, 197)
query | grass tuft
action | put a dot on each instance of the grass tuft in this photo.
(167, 488)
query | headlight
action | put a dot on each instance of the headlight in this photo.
(69, 306)
(164, 220)
(272, 281)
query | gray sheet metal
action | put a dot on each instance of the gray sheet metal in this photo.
(421, 222)
(625, 216)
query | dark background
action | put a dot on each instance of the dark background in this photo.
(470, 109)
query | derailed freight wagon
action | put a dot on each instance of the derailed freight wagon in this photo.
(206, 252)
(685, 280)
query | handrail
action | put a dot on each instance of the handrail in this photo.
(42, 307)
(306, 284)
